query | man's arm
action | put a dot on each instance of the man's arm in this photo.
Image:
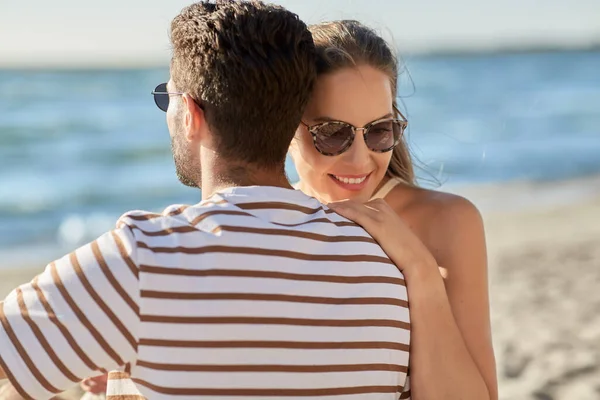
(80, 316)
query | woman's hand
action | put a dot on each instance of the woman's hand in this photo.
(401, 245)
(459, 371)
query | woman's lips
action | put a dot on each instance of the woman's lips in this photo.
(351, 182)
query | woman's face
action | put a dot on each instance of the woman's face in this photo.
(358, 96)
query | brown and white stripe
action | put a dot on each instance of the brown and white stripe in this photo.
(258, 292)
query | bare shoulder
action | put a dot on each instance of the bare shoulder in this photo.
(443, 221)
(433, 207)
(449, 209)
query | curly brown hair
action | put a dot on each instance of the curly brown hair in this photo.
(252, 66)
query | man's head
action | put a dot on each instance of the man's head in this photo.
(247, 70)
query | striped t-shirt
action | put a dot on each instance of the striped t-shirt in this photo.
(257, 292)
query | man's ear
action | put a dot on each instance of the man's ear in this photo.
(194, 121)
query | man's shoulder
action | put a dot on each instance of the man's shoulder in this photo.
(175, 215)
(135, 217)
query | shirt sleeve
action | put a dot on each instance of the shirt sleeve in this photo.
(79, 317)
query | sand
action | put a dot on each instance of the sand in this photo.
(544, 260)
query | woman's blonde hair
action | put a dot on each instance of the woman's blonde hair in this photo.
(348, 43)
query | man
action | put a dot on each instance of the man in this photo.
(258, 291)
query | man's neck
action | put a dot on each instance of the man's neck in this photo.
(221, 177)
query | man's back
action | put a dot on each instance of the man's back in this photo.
(263, 292)
(256, 292)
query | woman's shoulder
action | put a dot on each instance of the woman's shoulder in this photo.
(439, 218)
(431, 203)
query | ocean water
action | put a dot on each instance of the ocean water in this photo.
(79, 148)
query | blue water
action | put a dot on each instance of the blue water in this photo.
(79, 148)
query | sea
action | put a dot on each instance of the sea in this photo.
(78, 148)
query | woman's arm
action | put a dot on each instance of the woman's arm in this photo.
(442, 366)
(460, 239)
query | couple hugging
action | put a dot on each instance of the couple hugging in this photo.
(329, 290)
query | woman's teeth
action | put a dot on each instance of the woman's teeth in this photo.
(352, 181)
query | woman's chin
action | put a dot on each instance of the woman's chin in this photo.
(334, 192)
(360, 197)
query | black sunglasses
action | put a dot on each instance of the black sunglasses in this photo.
(161, 97)
(332, 138)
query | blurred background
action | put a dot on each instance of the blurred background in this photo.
(503, 100)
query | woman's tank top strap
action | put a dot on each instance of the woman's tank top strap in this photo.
(386, 188)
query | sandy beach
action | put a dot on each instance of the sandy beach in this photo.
(544, 260)
(544, 276)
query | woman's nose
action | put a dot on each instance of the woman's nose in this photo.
(358, 153)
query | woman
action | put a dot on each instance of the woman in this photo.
(451, 351)
(420, 229)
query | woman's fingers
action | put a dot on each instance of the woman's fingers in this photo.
(387, 228)
(360, 213)
(380, 205)
(371, 215)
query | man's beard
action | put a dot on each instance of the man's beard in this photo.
(187, 172)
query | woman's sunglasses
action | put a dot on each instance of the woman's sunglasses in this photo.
(335, 137)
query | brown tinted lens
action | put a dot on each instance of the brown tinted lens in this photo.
(383, 136)
(333, 138)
